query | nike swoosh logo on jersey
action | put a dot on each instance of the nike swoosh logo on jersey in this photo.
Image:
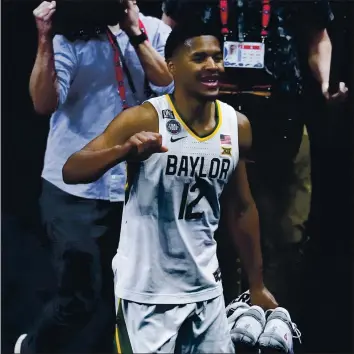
(174, 140)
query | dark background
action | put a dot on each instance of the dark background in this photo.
(27, 277)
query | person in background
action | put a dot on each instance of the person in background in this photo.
(287, 37)
(84, 82)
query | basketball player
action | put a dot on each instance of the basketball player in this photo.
(182, 150)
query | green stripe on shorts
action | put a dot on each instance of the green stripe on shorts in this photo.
(121, 337)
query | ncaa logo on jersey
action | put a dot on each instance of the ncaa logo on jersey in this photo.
(173, 127)
(225, 142)
(167, 114)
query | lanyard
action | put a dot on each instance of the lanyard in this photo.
(224, 15)
(121, 67)
(265, 18)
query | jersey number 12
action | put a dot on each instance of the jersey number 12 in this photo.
(186, 209)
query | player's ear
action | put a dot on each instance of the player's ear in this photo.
(171, 67)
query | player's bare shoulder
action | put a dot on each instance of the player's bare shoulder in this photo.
(244, 126)
(148, 117)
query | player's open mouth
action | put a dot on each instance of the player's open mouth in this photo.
(210, 81)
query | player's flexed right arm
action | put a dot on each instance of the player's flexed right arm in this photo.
(133, 133)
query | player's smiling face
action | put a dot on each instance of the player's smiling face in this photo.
(198, 66)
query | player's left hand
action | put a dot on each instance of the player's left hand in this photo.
(336, 97)
(263, 298)
(130, 22)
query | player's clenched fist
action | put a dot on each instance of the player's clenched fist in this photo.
(43, 15)
(144, 144)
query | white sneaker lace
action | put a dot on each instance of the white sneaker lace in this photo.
(295, 331)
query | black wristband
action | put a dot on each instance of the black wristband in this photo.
(136, 40)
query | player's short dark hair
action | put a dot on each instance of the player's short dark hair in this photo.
(182, 32)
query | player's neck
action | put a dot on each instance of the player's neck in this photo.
(192, 109)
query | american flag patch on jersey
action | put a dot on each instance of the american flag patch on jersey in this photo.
(225, 139)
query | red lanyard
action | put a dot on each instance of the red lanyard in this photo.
(265, 18)
(119, 67)
(224, 15)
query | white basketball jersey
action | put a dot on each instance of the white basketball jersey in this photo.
(167, 251)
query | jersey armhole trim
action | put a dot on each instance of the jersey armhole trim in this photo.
(157, 115)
